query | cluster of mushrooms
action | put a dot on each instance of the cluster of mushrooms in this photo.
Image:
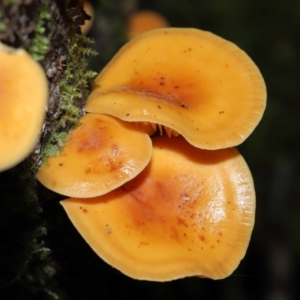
(180, 203)
(155, 185)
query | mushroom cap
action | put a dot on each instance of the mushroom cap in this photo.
(189, 80)
(144, 20)
(100, 155)
(189, 213)
(23, 100)
(88, 8)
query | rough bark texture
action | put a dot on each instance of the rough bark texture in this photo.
(46, 29)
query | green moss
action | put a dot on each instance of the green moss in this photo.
(6, 2)
(2, 24)
(25, 269)
(74, 88)
(40, 43)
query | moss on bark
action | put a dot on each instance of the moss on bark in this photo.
(50, 31)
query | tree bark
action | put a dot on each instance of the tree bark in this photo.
(50, 31)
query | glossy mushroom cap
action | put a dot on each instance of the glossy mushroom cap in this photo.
(190, 81)
(190, 212)
(144, 20)
(23, 100)
(101, 154)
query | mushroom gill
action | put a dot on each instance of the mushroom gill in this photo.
(206, 89)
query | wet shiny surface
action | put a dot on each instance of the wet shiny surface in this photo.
(100, 155)
(190, 212)
(192, 81)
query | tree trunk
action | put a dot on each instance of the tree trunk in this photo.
(50, 31)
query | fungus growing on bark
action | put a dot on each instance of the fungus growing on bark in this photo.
(144, 20)
(186, 81)
(23, 100)
(101, 154)
(190, 212)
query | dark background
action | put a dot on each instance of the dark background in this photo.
(269, 31)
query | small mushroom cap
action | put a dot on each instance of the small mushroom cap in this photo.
(88, 8)
(189, 80)
(23, 99)
(189, 213)
(101, 154)
(144, 20)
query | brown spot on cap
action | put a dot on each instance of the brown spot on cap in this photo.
(100, 155)
(156, 240)
(216, 76)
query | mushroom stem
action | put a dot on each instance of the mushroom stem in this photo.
(151, 128)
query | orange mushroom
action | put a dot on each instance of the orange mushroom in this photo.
(23, 100)
(190, 212)
(187, 81)
(144, 20)
(100, 155)
(88, 8)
